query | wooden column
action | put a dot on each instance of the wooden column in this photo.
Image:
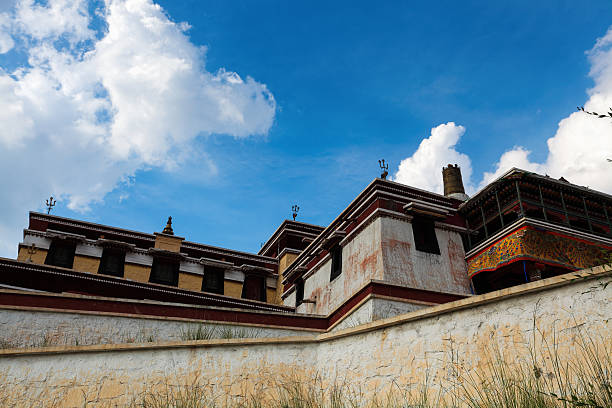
(542, 202)
(484, 222)
(518, 194)
(501, 217)
(564, 208)
(586, 212)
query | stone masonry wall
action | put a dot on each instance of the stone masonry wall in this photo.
(395, 352)
(36, 328)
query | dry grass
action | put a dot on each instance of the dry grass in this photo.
(542, 378)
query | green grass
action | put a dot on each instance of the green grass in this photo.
(202, 332)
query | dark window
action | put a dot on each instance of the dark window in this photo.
(164, 271)
(299, 292)
(61, 253)
(213, 280)
(425, 235)
(254, 288)
(336, 267)
(112, 263)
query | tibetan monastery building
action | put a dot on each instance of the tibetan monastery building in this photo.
(394, 249)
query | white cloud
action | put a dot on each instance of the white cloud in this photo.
(517, 157)
(57, 18)
(89, 109)
(6, 40)
(577, 152)
(579, 149)
(424, 168)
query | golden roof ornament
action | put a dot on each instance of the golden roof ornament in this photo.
(168, 229)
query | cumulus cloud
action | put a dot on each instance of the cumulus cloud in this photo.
(424, 168)
(578, 151)
(6, 40)
(92, 106)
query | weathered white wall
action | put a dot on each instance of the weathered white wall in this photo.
(405, 266)
(385, 308)
(35, 328)
(361, 262)
(376, 308)
(373, 357)
(384, 250)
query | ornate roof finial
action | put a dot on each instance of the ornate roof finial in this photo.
(168, 229)
(50, 204)
(384, 167)
(295, 210)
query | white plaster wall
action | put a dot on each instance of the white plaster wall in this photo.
(361, 315)
(384, 308)
(28, 328)
(290, 300)
(384, 250)
(405, 266)
(362, 261)
(396, 352)
(376, 308)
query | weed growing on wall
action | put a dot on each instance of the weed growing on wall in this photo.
(202, 332)
(541, 377)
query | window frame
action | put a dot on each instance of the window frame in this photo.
(51, 257)
(160, 260)
(209, 271)
(299, 292)
(262, 294)
(336, 262)
(424, 234)
(106, 253)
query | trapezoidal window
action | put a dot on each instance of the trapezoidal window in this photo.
(336, 266)
(164, 271)
(61, 253)
(112, 262)
(424, 232)
(213, 280)
(254, 288)
(299, 292)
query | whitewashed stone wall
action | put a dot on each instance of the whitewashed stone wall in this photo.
(373, 357)
(36, 328)
(376, 308)
(362, 261)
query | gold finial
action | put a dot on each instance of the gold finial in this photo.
(168, 229)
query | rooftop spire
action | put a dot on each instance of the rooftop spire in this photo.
(168, 229)
(384, 167)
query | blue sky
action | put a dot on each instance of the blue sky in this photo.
(351, 82)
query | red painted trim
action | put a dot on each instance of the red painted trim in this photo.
(38, 225)
(539, 229)
(115, 297)
(572, 238)
(382, 289)
(143, 308)
(378, 203)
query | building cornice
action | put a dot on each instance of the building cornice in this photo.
(543, 225)
(378, 189)
(130, 234)
(300, 228)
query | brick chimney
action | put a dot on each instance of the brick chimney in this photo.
(453, 183)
